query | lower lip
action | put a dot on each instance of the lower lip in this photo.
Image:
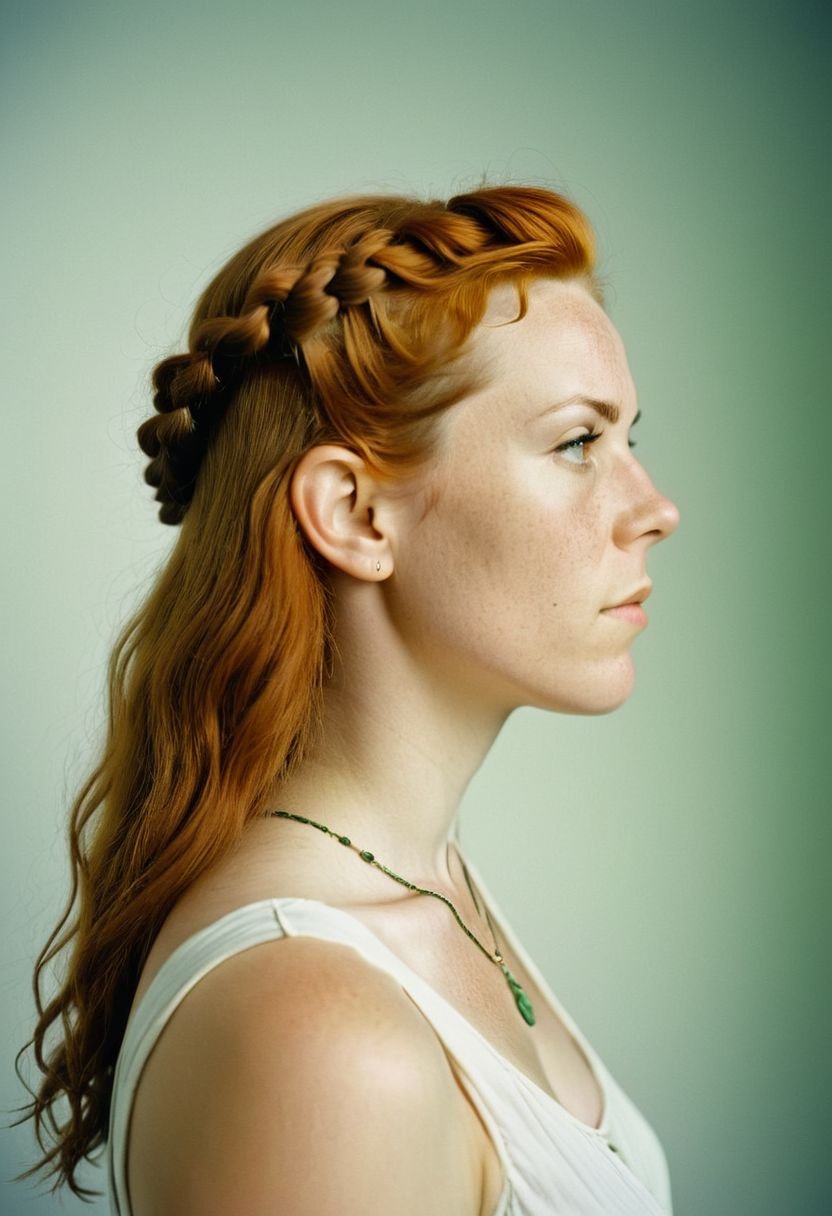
(629, 612)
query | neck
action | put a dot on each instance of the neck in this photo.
(389, 767)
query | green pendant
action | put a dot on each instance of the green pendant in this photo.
(520, 999)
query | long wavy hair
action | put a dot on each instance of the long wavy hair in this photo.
(343, 323)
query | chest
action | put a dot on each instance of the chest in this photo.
(432, 944)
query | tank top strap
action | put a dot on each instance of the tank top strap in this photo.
(181, 971)
(478, 1070)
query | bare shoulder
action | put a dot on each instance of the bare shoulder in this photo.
(298, 1078)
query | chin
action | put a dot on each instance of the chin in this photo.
(593, 694)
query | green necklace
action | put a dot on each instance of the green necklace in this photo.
(521, 1000)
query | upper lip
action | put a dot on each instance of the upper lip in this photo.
(635, 597)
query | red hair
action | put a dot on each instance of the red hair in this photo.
(344, 323)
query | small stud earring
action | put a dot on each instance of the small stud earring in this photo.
(378, 565)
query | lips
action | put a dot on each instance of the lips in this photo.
(634, 597)
(634, 613)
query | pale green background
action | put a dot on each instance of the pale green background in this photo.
(664, 864)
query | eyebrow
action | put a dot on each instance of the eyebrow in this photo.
(611, 413)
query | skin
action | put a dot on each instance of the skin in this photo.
(475, 587)
(496, 565)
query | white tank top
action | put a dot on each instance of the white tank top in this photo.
(553, 1164)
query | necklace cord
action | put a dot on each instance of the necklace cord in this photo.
(521, 999)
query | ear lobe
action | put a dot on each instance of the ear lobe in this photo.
(331, 494)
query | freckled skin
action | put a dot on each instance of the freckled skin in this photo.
(500, 587)
(476, 586)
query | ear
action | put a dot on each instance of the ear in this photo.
(335, 499)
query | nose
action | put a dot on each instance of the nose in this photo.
(668, 518)
(650, 515)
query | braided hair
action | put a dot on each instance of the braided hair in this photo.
(357, 319)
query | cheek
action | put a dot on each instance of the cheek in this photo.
(574, 542)
(528, 554)
(511, 568)
(499, 591)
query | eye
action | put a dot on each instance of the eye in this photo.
(578, 444)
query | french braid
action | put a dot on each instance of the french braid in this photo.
(283, 308)
(288, 308)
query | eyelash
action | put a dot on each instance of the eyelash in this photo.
(581, 440)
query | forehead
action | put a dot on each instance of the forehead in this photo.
(565, 345)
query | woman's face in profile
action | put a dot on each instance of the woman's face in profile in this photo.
(501, 586)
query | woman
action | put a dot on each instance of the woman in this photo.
(399, 450)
